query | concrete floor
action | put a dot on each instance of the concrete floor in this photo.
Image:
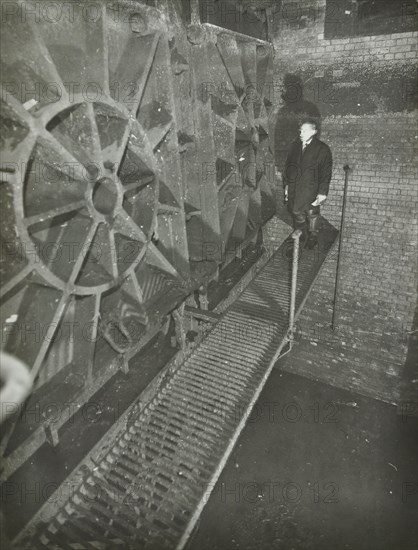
(316, 468)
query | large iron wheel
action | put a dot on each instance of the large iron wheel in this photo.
(93, 234)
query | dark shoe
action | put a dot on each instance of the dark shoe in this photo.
(312, 242)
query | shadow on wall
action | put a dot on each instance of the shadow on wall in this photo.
(294, 109)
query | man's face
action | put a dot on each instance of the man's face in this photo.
(306, 132)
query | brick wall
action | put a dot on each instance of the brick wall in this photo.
(365, 89)
(381, 216)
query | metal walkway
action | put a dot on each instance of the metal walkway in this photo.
(151, 486)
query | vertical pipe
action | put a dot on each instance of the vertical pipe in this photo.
(340, 251)
(296, 237)
(194, 12)
(270, 24)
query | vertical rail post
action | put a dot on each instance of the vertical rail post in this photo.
(340, 251)
(296, 238)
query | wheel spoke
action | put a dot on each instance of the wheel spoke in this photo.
(93, 338)
(139, 258)
(6, 435)
(162, 262)
(32, 220)
(150, 61)
(82, 254)
(138, 184)
(78, 171)
(125, 225)
(99, 56)
(46, 54)
(226, 180)
(48, 341)
(123, 73)
(138, 292)
(158, 134)
(95, 135)
(18, 108)
(240, 222)
(120, 153)
(7, 287)
(114, 129)
(113, 254)
(229, 209)
(144, 153)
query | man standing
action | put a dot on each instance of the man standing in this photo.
(306, 180)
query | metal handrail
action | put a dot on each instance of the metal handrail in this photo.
(296, 239)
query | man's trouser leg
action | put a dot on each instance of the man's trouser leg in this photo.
(313, 226)
(313, 221)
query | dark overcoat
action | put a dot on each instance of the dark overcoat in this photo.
(307, 174)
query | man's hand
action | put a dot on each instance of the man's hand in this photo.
(319, 200)
(286, 193)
